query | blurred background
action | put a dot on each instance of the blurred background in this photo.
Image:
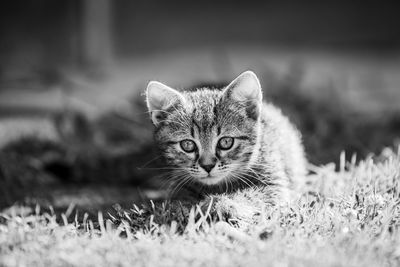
(73, 125)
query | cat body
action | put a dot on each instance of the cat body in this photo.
(226, 142)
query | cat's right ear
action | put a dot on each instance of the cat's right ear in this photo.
(160, 98)
(246, 89)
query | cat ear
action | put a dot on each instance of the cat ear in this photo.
(159, 98)
(246, 88)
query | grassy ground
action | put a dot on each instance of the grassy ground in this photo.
(349, 217)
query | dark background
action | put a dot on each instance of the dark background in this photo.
(45, 34)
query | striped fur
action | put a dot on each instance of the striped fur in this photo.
(267, 153)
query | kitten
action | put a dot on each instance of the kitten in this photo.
(227, 143)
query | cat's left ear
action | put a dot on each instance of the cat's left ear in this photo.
(246, 89)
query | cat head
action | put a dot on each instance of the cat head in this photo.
(207, 135)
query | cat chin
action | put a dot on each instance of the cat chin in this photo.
(213, 180)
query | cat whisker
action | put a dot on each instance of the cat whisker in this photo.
(186, 178)
(171, 176)
(150, 161)
(257, 178)
(253, 174)
(239, 177)
(245, 175)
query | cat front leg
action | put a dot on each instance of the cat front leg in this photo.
(243, 205)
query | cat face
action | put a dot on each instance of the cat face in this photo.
(208, 135)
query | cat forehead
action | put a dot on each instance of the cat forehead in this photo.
(203, 97)
(206, 110)
(202, 104)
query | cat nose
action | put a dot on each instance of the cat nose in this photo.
(208, 167)
(207, 163)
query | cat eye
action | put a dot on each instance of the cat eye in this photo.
(188, 145)
(225, 143)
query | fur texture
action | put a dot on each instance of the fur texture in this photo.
(226, 142)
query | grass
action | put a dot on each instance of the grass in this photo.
(349, 217)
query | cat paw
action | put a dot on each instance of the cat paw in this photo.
(227, 209)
